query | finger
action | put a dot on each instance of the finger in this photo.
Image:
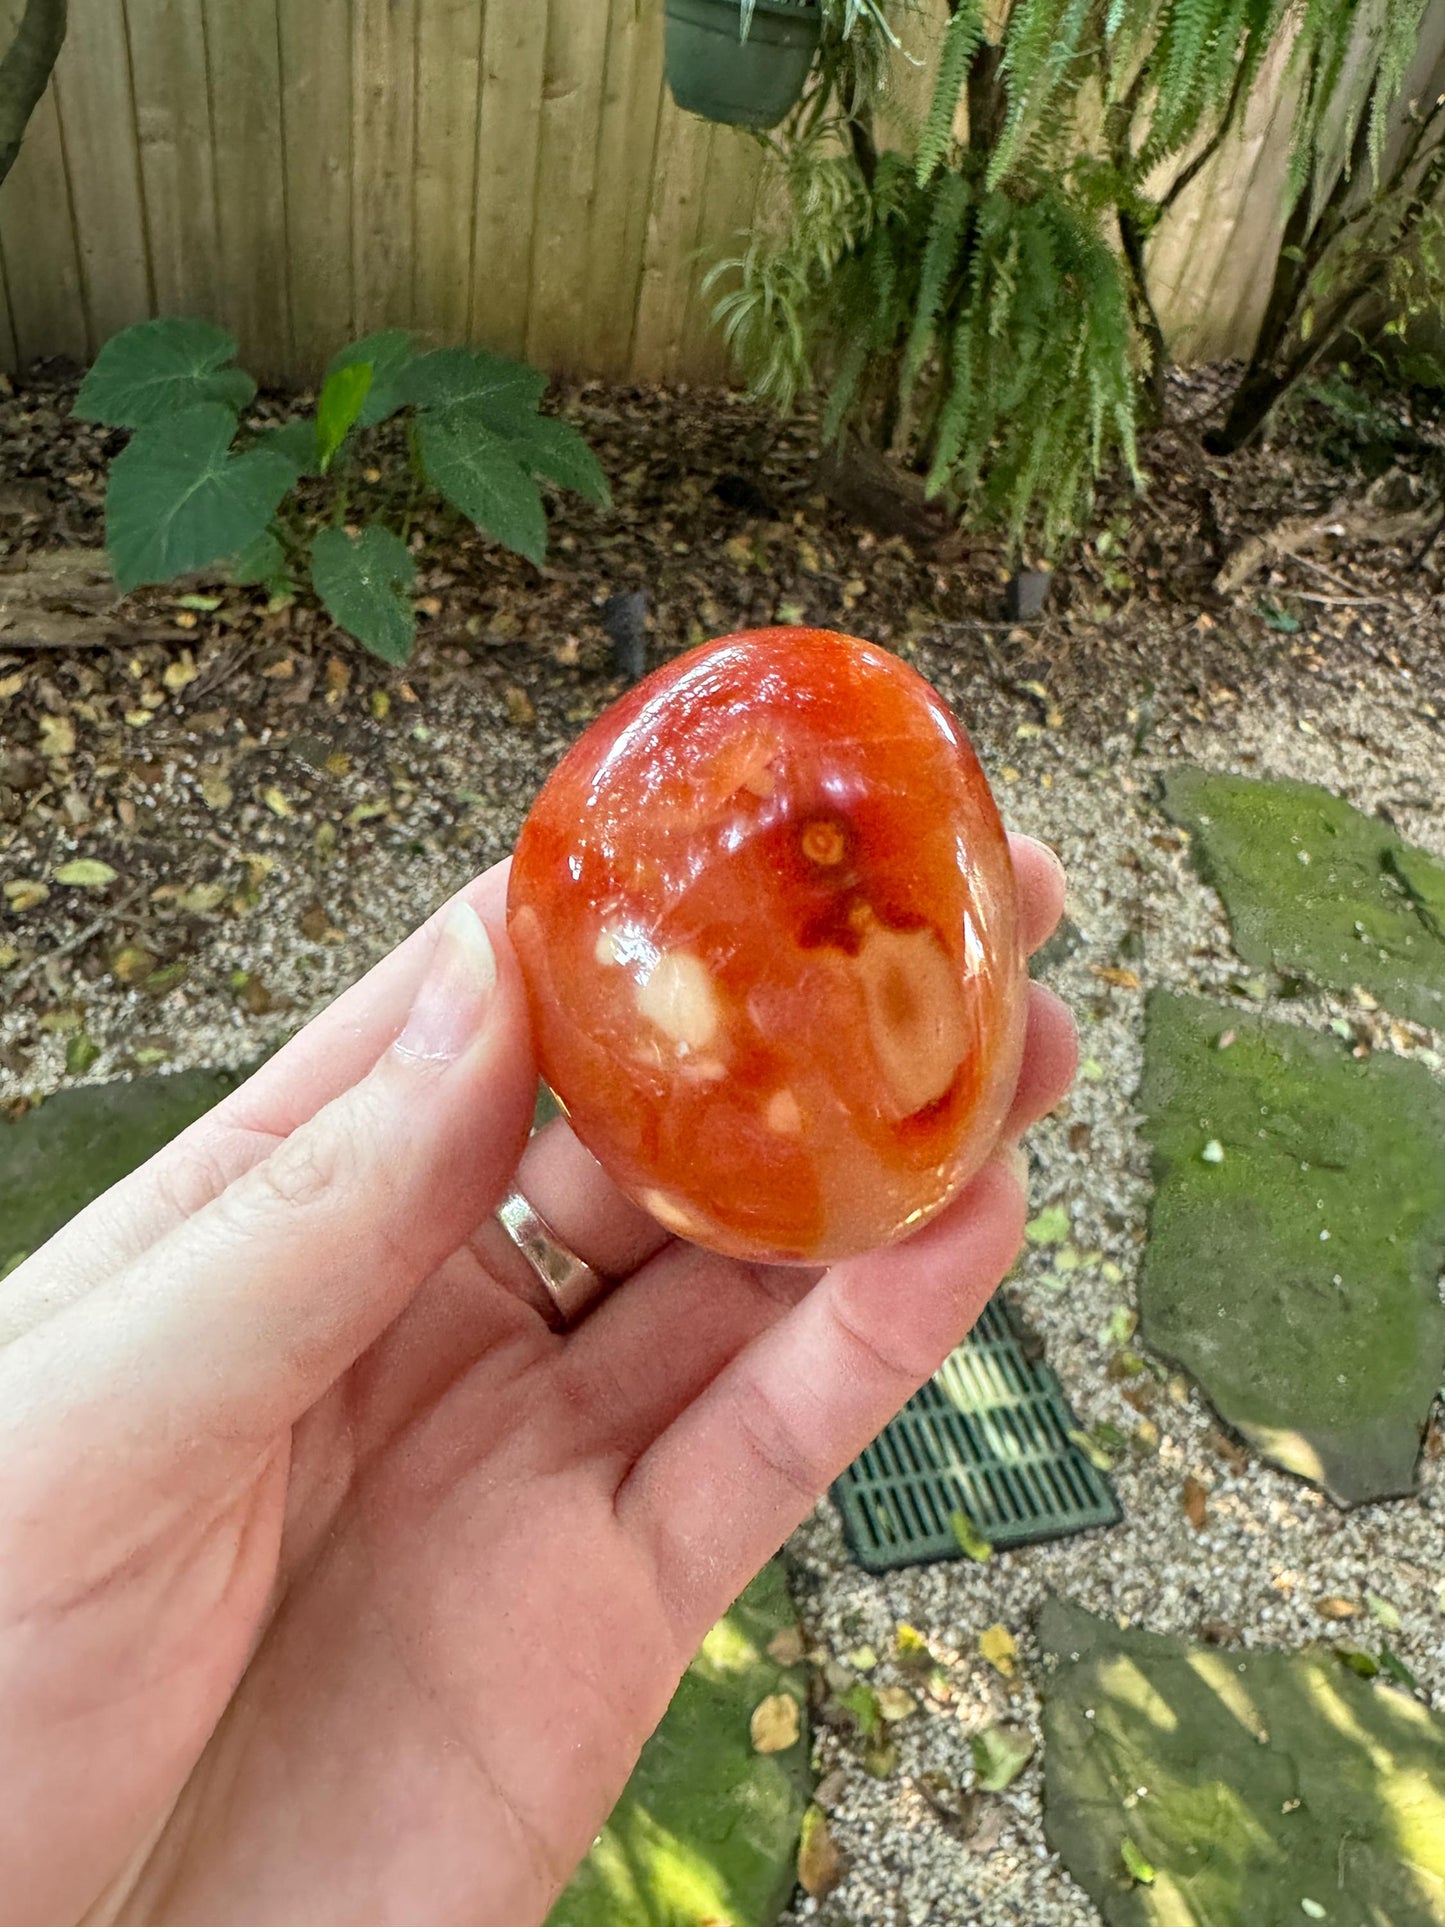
(1051, 1057)
(1041, 884)
(331, 1054)
(229, 1329)
(580, 1204)
(722, 1488)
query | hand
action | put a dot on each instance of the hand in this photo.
(335, 1587)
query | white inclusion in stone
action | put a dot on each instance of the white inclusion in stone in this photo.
(624, 943)
(784, 1114)
(916, 1014)
(672, 1216)
(679, 997)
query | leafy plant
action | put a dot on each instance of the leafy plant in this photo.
(196, 485)
(975, 301)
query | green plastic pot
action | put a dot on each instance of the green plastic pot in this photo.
(744, 83)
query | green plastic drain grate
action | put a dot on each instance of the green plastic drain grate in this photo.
(988, 1436)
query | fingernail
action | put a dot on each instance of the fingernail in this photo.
(1054, 858)
(1015, 1160)
(455, 992)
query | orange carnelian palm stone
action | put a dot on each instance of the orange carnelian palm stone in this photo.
(767, 919)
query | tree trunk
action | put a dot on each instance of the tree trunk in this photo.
(1131, 239)
(25, 70)
(1303, 246)
(987, 100)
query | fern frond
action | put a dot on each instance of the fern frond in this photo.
(962, 39)
(940, 260)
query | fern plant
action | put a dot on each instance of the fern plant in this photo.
(975, 299)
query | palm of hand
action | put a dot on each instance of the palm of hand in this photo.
(454, 1610)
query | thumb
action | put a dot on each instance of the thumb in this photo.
(236, 1322)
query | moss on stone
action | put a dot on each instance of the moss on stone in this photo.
(66, 1151)
(1246, 1784)
(1315, 889)
(707, 1830)
(1297, 1276)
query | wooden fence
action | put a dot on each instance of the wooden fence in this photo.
(509, 172)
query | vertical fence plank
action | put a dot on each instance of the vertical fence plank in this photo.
(171, 79)
(678, 187)
(316, 114)
(507, 170)
(39, 240)
(251, 179)
(626, 159)
(384, 105)
(514, 53)
(567, 181)
(97, 119)
(449, 72)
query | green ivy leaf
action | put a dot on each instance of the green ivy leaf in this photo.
(971, 1541)
(1363, 1664)
(1394, 1668)
(1382, 1610)
(1137, 1866)
(1000, 1754)
(862, 1702)
(81, 1052)
(477, 472)
(366, 587)
(503, 394)
(388, 354)
(1050, 1227)
(342, 400)
(555, 449)
(179, 499)
(158, 368)
(262, 561)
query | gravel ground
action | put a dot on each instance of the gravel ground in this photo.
(431, 783)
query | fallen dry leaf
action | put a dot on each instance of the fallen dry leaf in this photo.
(57, 737)
(820, 1864)
(132, 964)
(277, 801)
(1233, 1455)
(85, 873)
(181, 673)
(996, 1644)
(776, 1724)
(25, 893)
(520, 712)
(1117, 975)
(1333, 1607)
(896, 1703)
(786, 1648)
(1196, 1502)
(201, 898)
(216, 792)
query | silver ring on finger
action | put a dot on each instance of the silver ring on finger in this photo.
(571, 1284)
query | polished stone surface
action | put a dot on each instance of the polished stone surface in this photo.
(767, 917)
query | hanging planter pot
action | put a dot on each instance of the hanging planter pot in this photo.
(745, 82)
